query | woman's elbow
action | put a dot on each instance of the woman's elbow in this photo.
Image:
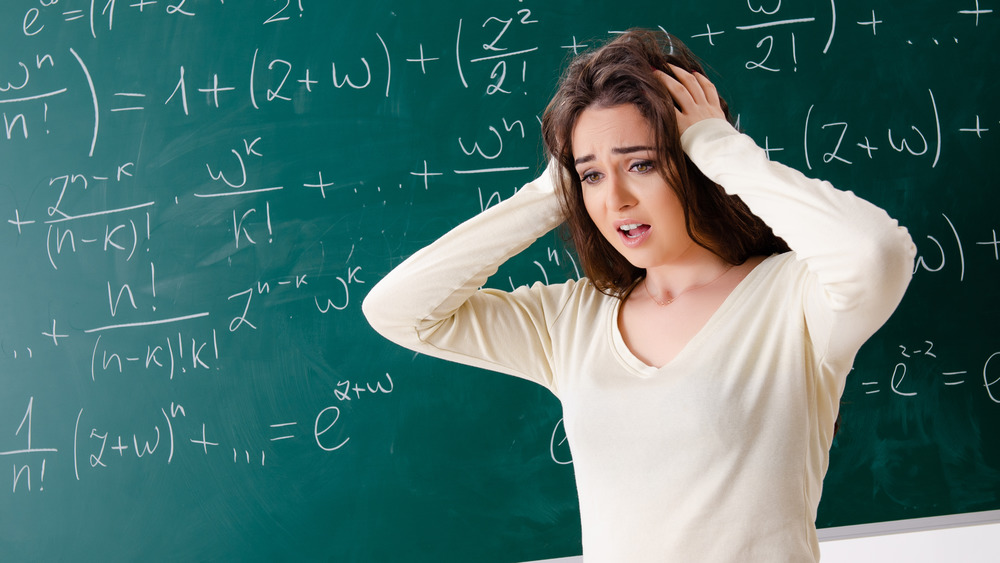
(891, 262)
(377, 309)
(899, 254)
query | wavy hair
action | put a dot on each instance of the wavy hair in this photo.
(621, 72)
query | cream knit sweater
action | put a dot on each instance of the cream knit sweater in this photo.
(720, 454)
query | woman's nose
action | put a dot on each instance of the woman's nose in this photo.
(620, 195)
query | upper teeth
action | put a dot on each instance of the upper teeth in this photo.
(630, 226)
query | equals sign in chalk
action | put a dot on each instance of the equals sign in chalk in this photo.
(129, 95)
(282, 426)
(952, 374)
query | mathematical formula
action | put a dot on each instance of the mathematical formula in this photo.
(196, 197)
(160, 435)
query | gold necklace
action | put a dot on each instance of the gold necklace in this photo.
(645, 286)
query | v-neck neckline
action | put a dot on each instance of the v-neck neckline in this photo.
(642, 369)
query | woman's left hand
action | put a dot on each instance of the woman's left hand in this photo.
(694, 95)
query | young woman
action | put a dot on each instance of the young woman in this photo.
(701, 361)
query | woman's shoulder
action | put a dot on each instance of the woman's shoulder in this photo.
(579, 295)
(780, 260)
(571, 289)
(780, 272)
(782, 263)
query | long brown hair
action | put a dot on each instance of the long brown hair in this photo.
(621, 72)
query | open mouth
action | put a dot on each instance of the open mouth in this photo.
(633, 234)
(633, 230)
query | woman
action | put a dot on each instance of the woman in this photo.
(700, 363)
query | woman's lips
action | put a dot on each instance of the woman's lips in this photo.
(633, 234)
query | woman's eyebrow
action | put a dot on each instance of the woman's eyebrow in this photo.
(627, 150)
(617, 150)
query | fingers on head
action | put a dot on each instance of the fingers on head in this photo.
(681, 74)
(694, 82)
(708, 87)
(672, 83)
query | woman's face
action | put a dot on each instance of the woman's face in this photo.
(624, 193)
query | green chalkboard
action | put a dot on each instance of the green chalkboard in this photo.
(197, 195)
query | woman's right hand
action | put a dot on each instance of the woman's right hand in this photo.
(694, 95)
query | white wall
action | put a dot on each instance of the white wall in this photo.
(977, 542)
(970, 544)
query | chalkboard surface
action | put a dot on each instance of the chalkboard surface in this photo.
(197, 195)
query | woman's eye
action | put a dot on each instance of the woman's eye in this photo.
(643, 166)
(590, 177)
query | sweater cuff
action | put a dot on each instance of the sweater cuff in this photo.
(706, 131)
(545, 187)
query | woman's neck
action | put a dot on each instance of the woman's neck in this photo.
(697, 267)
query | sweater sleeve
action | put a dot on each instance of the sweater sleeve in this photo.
(432, 302)
(858, 258)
